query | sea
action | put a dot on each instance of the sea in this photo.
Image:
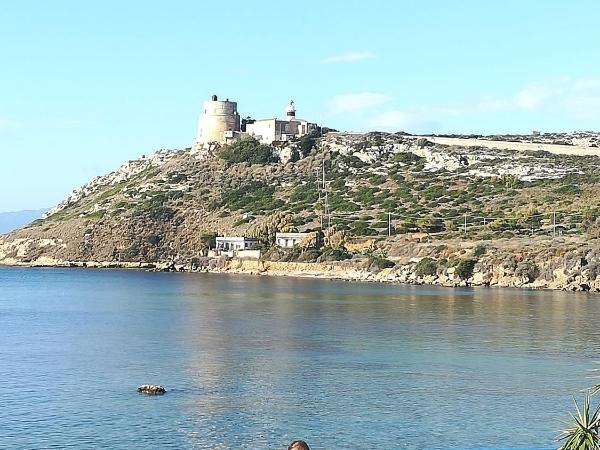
(255, 362)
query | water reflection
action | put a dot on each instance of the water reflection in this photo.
(254, 362)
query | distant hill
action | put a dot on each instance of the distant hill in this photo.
(10, 221)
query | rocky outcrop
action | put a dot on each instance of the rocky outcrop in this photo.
(577, 269)
(151, 389)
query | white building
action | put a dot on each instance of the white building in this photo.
(235, 243)
(272, 130)
(289, 240)
(219, 122)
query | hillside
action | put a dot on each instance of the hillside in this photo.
(167, 207)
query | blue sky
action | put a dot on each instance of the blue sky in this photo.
(87, 85)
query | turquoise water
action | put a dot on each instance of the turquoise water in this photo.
(256, 362)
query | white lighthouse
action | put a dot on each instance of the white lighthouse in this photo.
(290, 111)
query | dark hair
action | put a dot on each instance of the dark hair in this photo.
(300, 444)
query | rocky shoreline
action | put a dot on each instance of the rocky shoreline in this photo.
(402, 274)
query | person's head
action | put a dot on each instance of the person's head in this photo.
(298, 445)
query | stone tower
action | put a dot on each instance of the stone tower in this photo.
(219, 122)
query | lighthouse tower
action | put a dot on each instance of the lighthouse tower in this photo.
(290, 111)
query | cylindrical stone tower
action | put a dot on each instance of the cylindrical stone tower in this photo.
(218, 121)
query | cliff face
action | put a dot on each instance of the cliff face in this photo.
(164, 207)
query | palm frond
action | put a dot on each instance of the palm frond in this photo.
(582, 432)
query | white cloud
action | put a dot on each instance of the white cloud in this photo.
(353, 102)
(569, 98)
(577, 97)
(415, 121)
(348, 57)
(391, 119)
(534, 95)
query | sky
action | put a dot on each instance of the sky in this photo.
(86, 86)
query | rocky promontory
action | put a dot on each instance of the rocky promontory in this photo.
(382, 207)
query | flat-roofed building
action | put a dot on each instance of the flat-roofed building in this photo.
(272, 130)
(235, 243)
(290, 240)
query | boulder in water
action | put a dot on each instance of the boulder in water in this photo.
(151, 389)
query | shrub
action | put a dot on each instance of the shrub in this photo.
(305, 193)
(407, 158)
(334, 254)
(361, 228)
(430, 224)
(153, 239)
(131, 252)
(306, 144)
(379, 263)
(426, 267)
(209, 240)
(309, 255)
(527, 269)
(463, 267)
(377, 180)
(160, 213)
(253, 196)
(247, 150)
(479, 251)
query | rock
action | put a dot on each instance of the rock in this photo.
(151, 389)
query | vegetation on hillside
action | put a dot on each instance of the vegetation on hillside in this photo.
(247, 150)
(367, 187)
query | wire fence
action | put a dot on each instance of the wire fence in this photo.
(553, 223)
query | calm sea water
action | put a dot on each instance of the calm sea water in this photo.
(255, 362)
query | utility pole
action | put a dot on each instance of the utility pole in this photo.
(326, 210)
(321, 215)
(389, 223)
(465, 224)
(554, 224)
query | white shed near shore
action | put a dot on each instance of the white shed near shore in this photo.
(289, 240)
(235, 243)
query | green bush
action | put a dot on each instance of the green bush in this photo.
(333, 254)
(527, 269)
(361, 228)
(430, 224)
(159, 213)
(153, 239)
(306, 144)
(407, 158)
(131, 252)
(379, 263)
(254, 196)
(463, 267)
(247, 150)
(479, 251)
(305, 193)
(426, 267)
